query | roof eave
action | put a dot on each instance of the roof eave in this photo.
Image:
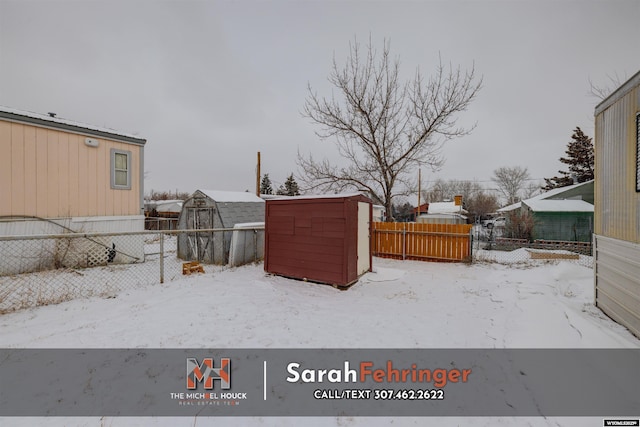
(19, 118)
(617, 94)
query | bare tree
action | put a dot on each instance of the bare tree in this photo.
(510, 182)
(446, 190)
(481, 204)
(532, 189)
(474, 198)
(600, 92)
(520, 225)
(439, 191)
(382, 126)
(168, 195)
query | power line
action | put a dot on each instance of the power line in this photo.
(478, 180)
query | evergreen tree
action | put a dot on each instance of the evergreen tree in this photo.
(265, 185)
(290, 187)
(580, 158)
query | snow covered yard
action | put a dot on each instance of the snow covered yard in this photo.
(401, 304)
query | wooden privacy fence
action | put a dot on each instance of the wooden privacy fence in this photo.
(427, 242)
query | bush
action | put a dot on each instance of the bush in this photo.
(519, 225)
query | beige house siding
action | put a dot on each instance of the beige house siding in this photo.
(51, 173)
(617, 204)
(617, 276)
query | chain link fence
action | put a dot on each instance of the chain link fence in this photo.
(159, 223)
(490, 246)
(49, 269)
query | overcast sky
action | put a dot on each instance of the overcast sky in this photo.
(209, 84)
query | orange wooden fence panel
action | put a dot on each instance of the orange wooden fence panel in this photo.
(429, 242)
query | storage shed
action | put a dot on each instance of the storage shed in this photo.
(564, 213)
(617, 205)
(566, 220)
(323, 239)
(210, 209)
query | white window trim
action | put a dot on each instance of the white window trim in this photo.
(114, 186)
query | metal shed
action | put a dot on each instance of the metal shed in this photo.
(617, 205)
(323, 239)
(209, 209)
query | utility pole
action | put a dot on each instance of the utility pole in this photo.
(419, 190)
(258, 177)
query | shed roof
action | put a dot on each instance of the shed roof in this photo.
(445, 208)
(325, 196)
(442, 215)
(14, 115)
(174, 206)
(231, 196)
(553, 194)
(510, 208)
(321, 197)
(568, 205)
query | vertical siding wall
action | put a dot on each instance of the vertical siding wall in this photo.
(309, 240)
(617, 207)
(617, 270)
(318, 238)
(564, 226)
(52, 174)
(617, 204)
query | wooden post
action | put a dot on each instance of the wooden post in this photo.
(404, 240)
(258, 177)
(419, 189)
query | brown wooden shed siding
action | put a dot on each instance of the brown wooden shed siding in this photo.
(314, 239)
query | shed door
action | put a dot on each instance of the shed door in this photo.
(364, 259)
(199, 245)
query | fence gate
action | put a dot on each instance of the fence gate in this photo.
(200, 245)
(428, 242)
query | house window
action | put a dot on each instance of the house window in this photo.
(120, 169)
